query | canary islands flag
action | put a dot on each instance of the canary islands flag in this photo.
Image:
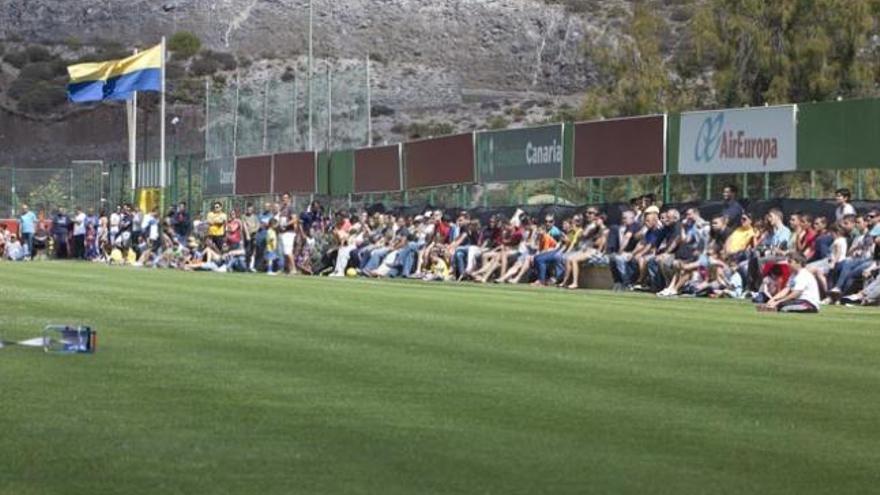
(116, 79)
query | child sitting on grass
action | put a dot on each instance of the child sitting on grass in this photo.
(439, 269)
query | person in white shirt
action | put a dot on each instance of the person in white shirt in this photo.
(115, 217)
(802, 293)
(79, 234)
(15, 251)
(822, 268)
(844, 208)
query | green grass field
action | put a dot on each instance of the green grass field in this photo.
(213, 384)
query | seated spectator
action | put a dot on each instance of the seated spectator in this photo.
(801, 295)
(15, 250)
(439, 268)
(619, 260)
(590, 245)
(830, 258)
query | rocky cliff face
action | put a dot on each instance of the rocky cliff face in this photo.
(524, 45)
(459, 61)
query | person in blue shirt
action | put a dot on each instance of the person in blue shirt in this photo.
(28, 222)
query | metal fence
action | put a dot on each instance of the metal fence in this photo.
(45, 189)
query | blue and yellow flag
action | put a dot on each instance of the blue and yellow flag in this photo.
(116, 79)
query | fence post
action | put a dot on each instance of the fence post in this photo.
(667, 194)
(70, 196)
(12, 200)
(602, 190)
(812, 184)
(589, 191)
(406, 197)
(860, 185)
(766, 185)
(837, 179)
(708, 187)
(745, 186)
(189, 182)
(629, 187)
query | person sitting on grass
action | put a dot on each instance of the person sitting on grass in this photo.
(15, 250)
(801, 295)
(439, 268)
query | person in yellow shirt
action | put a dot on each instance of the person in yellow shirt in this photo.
(217, 225)
(271, 247)
(439, 268)
(742, 238)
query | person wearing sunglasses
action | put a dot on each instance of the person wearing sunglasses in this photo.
(217, 225)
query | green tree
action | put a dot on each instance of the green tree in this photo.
(785, 51)
(634, 76)
(184, 44)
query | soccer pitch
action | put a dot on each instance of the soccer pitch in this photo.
(210, 384)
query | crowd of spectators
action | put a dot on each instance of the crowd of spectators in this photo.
(784, 263)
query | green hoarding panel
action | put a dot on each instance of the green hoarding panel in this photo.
(520, 154)
(323, 165)
(839, 135)
(342, 173)
(568, 151)
(673, 129)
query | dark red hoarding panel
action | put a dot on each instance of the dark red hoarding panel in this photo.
(439, 161)
(377, 169)
(253, 175)
(620, 147)
(294, 173)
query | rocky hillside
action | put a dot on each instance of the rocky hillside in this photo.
(470, 63)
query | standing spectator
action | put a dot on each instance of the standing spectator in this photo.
(115, 219)
(60, 231)
(733, 210)
(844, 208)
(234, 231)
(180, 221)
(137, 225)
(28, 222)
(271, 251)
(79, 234)
(251, 224)
(216, 225)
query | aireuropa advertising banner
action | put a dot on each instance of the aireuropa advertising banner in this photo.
(520, 154)
(738, 141)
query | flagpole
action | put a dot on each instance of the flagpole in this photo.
(162, 171)
(132, 141)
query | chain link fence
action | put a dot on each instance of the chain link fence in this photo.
(44, 190)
